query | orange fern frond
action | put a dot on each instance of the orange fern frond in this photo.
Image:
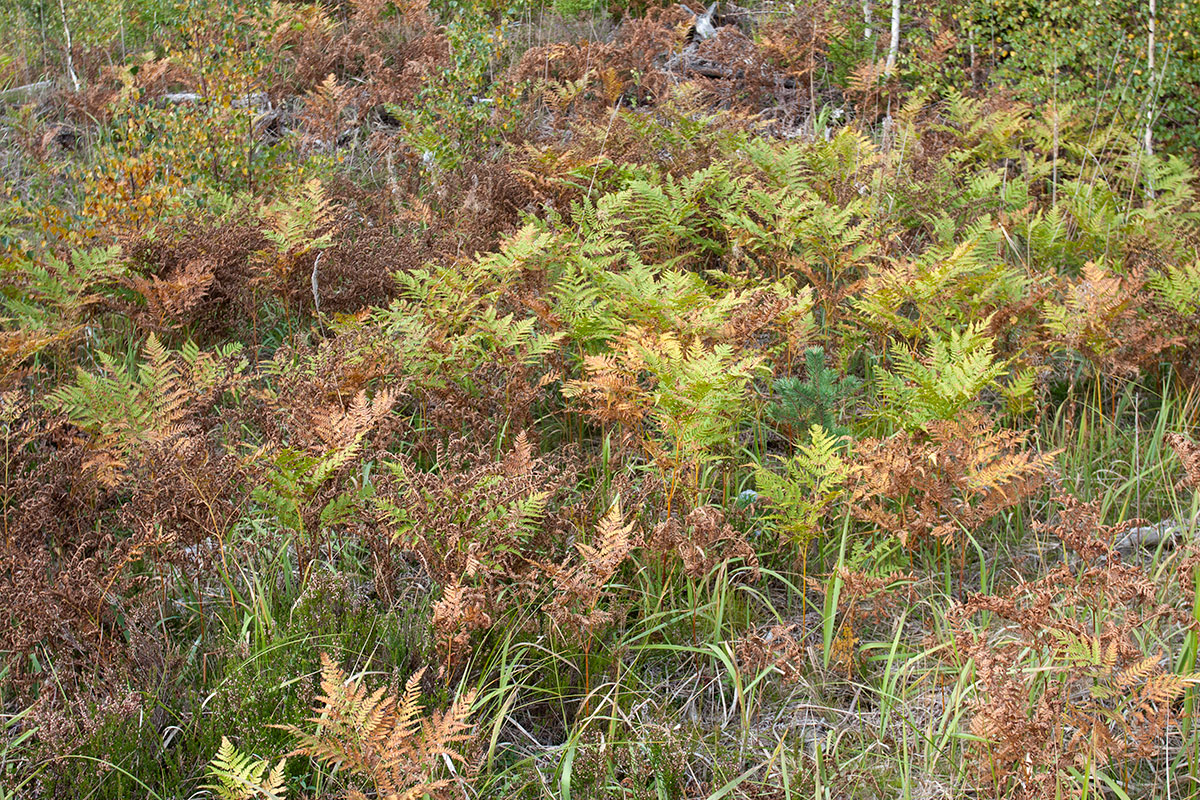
(382, 739)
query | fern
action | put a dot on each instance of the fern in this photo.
(700, 394)
(584, 307)
(517, 339)
(530, 511)
(238, 776)
(667, 300)
(818, 166)
(1018, 391)
(295, 491)
(941, 289)
(45, 304)
(667, 219)
(302, 223)
(580, 587)
(944, 381)
(453, 305)
(1178, 287)
(811, 480)
(523, 251)
(683, 122)
(1101, 315)
(1170, 178)
(296, 227)
(693, 393)
(383, 739)
(125, 407)
(55, 293)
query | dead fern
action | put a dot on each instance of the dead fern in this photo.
(778, 648)
(704, 541)
(953, 475)
(383, 740)
(1188, 453)
(1063, 678)
(578, 588)
(1103, 317)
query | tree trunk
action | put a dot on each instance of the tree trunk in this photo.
(62, 9)
(1150, 73)
(894, 47)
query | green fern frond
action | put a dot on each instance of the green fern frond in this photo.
(1178, 287)
(941, 382)
(238, 776)
(302, 223)
(811, 480)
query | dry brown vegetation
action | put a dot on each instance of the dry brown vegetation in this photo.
(397, 404)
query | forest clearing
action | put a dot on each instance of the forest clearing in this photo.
(580, 399)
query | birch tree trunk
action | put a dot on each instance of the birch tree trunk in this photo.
(894, 47)
(866, 7)
(62, 9)
(1150, 72)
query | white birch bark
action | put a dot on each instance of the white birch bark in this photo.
(1150, 72)
(894, 46)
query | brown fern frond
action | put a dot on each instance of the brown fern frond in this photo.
(343, 429)
(171, 298)
(954, 474)
(1139, 672)
(460, 611)
(382, 739)
(1079, 627)
(1189, 456)
(580, 587)
(614, 540)
(520, 460)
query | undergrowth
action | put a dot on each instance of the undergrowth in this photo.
(489, 400)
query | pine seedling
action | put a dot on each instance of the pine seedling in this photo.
(815, 400)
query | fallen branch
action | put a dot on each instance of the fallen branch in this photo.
(18, 93)
(1151, 535)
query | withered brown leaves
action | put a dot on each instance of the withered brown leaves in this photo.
(955, 475)
(1064, 678)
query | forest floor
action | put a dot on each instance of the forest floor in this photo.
(481, 401)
